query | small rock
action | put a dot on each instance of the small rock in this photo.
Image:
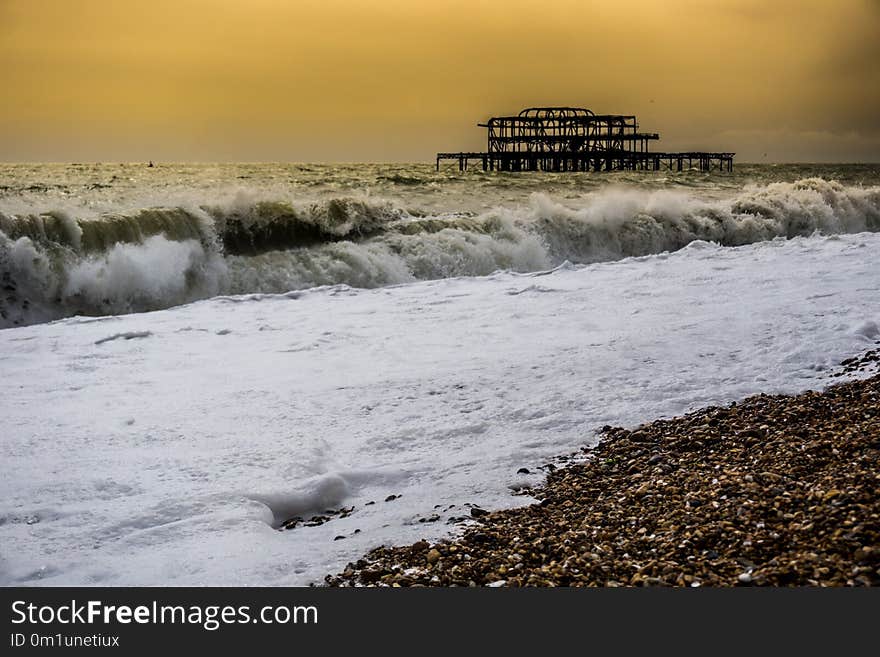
(370, 576)
(726, 488)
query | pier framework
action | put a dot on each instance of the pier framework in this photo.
(576, 139)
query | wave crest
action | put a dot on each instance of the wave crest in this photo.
(53, 265)
(249, 228)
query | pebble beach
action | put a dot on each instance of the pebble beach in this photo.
(770, 491)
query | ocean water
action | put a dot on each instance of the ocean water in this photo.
(234, 346)
(170, 447)
(110, 239)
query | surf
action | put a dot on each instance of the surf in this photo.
(54, 265)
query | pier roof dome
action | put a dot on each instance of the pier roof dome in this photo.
(555, 112)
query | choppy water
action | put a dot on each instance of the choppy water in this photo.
(97, 239)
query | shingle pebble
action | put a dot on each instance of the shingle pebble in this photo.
(771, 491)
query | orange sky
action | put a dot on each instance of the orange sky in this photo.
(355, 80)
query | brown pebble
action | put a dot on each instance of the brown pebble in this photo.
(772, 490)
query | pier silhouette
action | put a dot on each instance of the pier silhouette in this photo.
(576, 139)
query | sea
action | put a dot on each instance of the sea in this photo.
(254, 374)
(107, 239)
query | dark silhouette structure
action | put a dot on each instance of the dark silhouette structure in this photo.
(576, 139)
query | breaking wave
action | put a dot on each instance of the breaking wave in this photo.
(54, 265)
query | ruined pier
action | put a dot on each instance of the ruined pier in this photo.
(576, 139)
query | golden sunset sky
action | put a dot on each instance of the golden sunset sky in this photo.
(388, 80)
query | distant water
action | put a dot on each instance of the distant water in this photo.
(99, 239)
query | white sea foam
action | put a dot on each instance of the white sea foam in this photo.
(154, 274)
(166, 448)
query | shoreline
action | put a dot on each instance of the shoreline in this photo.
(777, 490)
